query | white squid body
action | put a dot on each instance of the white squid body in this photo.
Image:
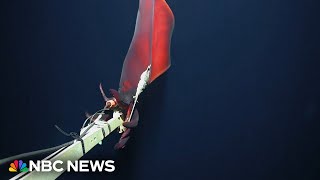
(143, 82)
(144, 79)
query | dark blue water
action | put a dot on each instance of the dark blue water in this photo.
(240, 101)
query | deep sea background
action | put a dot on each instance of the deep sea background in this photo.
(240, 101)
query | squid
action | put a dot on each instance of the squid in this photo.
(148, 57)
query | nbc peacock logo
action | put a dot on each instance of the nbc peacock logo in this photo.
(18, 166)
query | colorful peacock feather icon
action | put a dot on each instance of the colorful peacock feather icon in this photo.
(18, 165)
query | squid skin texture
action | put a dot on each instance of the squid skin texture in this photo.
(150, 44)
